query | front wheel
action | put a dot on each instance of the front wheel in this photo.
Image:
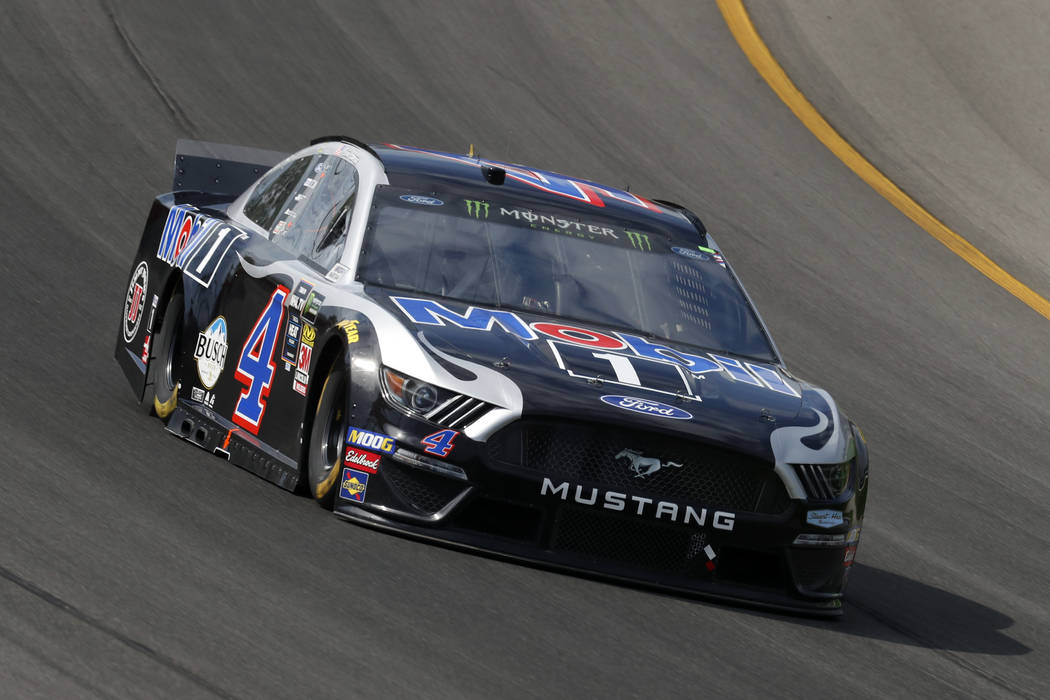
(162, 389)
(327, 436)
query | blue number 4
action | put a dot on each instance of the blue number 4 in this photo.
(439, 443)
(255, 368)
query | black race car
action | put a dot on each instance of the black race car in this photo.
(492, 356)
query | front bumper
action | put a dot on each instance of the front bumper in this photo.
(471, 501)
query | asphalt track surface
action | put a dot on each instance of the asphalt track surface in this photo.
(135, 565)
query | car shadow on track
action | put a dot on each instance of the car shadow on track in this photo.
(887, 606)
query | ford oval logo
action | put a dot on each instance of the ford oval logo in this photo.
(694, 254)
(420, 199)
(651, 408)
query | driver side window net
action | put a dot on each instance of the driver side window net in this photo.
(306, 207)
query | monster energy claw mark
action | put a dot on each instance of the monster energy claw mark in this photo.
(477, 209)
(639, 240)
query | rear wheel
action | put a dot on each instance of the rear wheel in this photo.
(327, 436)
(162, 389)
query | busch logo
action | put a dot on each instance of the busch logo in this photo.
(210, 352)
(477, 209)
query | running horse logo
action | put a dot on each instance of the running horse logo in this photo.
(643, 466)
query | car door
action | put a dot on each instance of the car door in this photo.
(299, 215)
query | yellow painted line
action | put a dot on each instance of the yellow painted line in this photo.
(757, 52)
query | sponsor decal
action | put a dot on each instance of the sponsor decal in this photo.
(135, 301)
(854, 535)
(145, 348)
(310, 183)
(337, 272)
(210, 352)
(715, 255)
(421, 199)
(638, 505)
(690, 253)
(311, 306)
(476, 208)
(373, 441)
(350, 329)
(366, 461)
(588, 192)
(302, 366)
(643, 466)
(297, 300)
(201, 396)
(646, 406)
(559, 224)
(824, 518)
(196, 243)
(309, 335)
(639, 240)
(182, 226)
(428, 312)
(439, 443)
(152, 314)
(849, 555)
(353, 485)
(294, 329)
(709, 552)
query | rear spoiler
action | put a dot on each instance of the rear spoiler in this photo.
(218, 168)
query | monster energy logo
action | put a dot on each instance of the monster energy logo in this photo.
(639, 240)
(477, 209)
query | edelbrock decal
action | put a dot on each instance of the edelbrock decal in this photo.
(651, 408)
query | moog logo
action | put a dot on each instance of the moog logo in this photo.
(373, 441)
(652, 408)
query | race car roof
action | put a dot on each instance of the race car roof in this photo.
(405, 166)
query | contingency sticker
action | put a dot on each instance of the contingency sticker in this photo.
(366, 461)
(135, 301)
(353, 485)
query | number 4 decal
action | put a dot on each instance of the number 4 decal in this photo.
(255, 368)
(439, 443)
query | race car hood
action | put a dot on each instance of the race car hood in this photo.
(584, 371)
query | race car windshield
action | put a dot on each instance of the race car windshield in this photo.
(535, 258)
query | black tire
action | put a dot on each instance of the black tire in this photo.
(327, 438)
(162, 390)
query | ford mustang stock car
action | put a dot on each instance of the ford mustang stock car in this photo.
(495, 357)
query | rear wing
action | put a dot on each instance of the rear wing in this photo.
(220, 169)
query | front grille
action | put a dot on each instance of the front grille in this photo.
(637, 544)
(422, 492)
(595, 454)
